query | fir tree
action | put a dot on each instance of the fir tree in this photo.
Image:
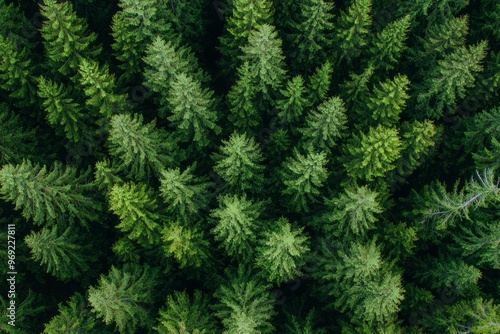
(122, 297)
(59, 252)
(16, 141)
(372, 155)
(326, 125)
(185, 244)
(244, 114)
(141, 150)
(481, 242)
(105, 175)
(292, 103)
(182, 314)
(67, 40)
(48, 196)
(434, 11)
(319, 83)
(239, 163)
(303, 176)
(236, 224)
(282, 252)
(136, 206)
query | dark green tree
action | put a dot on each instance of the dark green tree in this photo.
(123, 296)
(239, 163)
(244, 114)
(481, 242)
(319, 83)
(16, 141)
(292, 103)
(186, 244)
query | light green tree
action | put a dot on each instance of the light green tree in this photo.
(186, 244)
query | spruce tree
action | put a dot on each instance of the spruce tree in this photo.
(135, 205)
(185, 314)
(319, 83)
(186, 244)
(66, 39)
(481, 242)
(59, 252)
(325, 126)
(244, 114)
(292, 103)
(123, 296)
(239, 163)
(374, 154)
(303, 175)
(16, 141)
(141, 150)
(282, 252)
(237, 224)
(58, 194)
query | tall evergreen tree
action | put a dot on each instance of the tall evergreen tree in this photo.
(481, 242)
(239, 163)
(292, 103)
(47, 196)
(244, 114)
(319, 83)
(67, 40)
(123, 296)
(16, 141)
(59, 252)
(303, 176)
(186, 244)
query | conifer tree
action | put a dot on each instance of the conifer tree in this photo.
(184, 192)
(326, 125)
(353, 28)
(28, 309)
(388, 44)
(67, 40)
(141, 150)
(239, 163)
(372, 155)
(282, 252)
(187, 19)
(16, 141)
(303, 175)
(389, 100)
(75, 317)
(182, 314)
(352, 212)
(237, 224)
(16, 69)
(105, 175)
(450, 79)
(63, 113)
(122, 297)
(136, 206)
(244, 114)
(292, 103)
(59, 252)
(48, 196)
(186, 244)
(356, 90)
(481, 242)
(100, 89)
(434, 11)
(193, 110)
(246, 15)
(312, 34)
(319, 83)
(266, 60)
(244, 305)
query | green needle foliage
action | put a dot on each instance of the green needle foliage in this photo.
(123, 296)
(244, 114)
(319, 83)
(293, 102)
(16, 141)
(185, 244)
(282, 252)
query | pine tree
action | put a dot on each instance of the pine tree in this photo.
(185, 193)
(352, 212)
(244, 114)
(292, 103)
(135, 205)
(266, 60)
(303, 176)
(141, 150)
(282, 252)
(193, 110)
(100, 89)
(182, 314)
(353, 29)
(312, 33)
(450, 79)
(244, 305)
(67, 40)
(319, 83)
(186, 244)
(48, 196)
(75, 317)
(237, 224)
(63, 113)
(388, 44)
(122, 297)
(326, 125)
(239, 163)
(16, 141)
(16, 69)
(372, 155)
(59, 252)
(247, 15)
